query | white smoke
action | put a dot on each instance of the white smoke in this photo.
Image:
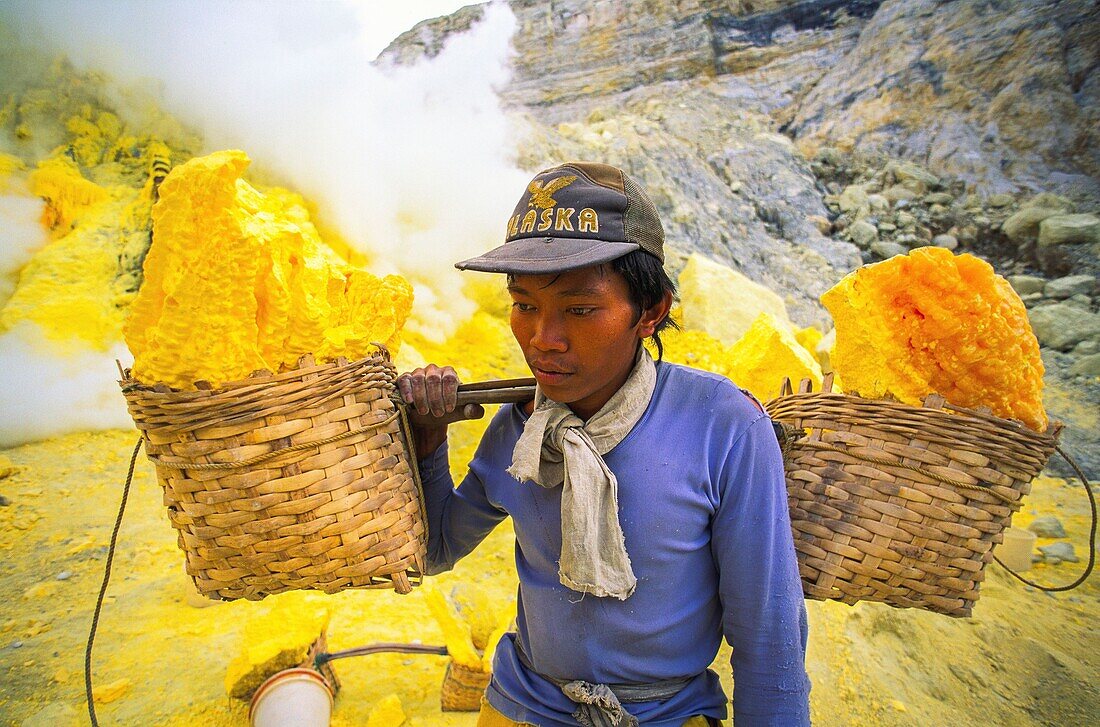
(21, 235)
(47, 392)
(414, 165)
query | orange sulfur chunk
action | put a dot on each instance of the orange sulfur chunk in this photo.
(238, 280)
(933, 322)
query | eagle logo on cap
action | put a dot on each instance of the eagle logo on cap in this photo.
(541, 196)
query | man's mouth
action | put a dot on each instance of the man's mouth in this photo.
(549, 374)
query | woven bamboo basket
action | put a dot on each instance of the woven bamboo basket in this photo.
(463, 688)
(297, 480)
(897, 503)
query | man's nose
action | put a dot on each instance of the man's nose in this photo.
(549, 334)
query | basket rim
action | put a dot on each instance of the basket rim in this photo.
(306, 365)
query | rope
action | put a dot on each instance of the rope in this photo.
(103, 588)
(275, 453)
(895, 463)
(1092, 538)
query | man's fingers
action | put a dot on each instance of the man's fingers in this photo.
(433, 385)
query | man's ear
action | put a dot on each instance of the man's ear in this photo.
(652, 317)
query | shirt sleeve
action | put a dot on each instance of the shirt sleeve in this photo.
(458, 519)
(764, 613)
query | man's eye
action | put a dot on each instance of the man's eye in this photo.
(581, 311)
(523, 307)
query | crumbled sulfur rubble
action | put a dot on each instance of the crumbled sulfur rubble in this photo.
(238, 280)
(935, 322)
(277, 638)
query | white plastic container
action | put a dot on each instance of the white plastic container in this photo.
(292, 698)
(1015, 552)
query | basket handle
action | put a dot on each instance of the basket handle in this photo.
(1092, 537)
(499, 391)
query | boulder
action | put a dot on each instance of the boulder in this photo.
(1069, 229)
(1026, 284)
(853, 198)
(910, 172)
(1000, 200)
(863, 233)
(722, 302)
(1061, 326)
(1086, 365)
(947, 241)
(1024, 224)
(898, 193)
(885, 249)
(1069, 286)
(1060, 551)
(1047, 526)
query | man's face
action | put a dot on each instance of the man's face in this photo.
(579, 333)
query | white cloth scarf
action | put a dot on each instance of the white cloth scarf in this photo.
(558, 448)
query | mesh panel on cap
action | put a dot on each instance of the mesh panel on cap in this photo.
(641, 221)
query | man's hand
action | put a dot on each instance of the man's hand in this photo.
(432, 394)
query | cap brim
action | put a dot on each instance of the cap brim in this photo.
(543, 255)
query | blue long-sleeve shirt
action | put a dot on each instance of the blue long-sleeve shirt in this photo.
(703, 508)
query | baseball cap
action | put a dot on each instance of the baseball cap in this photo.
(572, 216)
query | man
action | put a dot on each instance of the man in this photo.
(648, 499)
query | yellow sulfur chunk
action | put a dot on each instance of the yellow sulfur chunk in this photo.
(456, 632)
(276, 640)
(696, 349)
(504, 625)
(68, 195)
(238, 280)
(388, 712)
(107, 693)
(808, 338)
(723, 302)
(933, 322)
(767, 354)
(476, 609)
(9, 167)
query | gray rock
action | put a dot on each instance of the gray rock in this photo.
(1080, 301)
(878, 203)
(1031, 299)
(1050, 201)
(1024, 225)
(1061, 551)
(853, 198)
(1062, 326)
(885, 249)
(887, 227)
(822, 224)
(1087, 348)
(1025, 284)
(948, 241)
(910, 172)
(1086, 365)
(863, 233)
(941, 198)
(1000, 200)
(904, 219)
(1047, 526)
(4, 502)
(1069, 230)
(64, 575)
(17, 645)
(899, 194)
(1071, 285)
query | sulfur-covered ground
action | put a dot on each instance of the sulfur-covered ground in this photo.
(1025, 658)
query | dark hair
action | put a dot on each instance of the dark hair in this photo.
(648, 282)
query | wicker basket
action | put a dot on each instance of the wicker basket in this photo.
(299, 480)
(463, 688)
(897, 503)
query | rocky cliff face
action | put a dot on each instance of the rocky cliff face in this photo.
(795, 140)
